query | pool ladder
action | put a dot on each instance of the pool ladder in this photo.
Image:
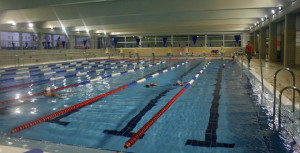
(281, 92)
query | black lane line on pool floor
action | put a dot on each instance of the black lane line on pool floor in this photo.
(56, 120)
(211, 131)
(126, 131)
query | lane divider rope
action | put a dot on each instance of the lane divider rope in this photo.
(62, 69)
(67, 76)
(141, 132)
(87, 102)
(81, 83)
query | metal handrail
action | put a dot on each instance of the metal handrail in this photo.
(275, 80)
(279, 109)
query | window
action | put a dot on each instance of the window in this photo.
(160, 42)
(60, 42)
(214, 40)
(148, 41)
(30, 41)
(47, 41)
(82, 42)
(180, 40)
(230, 41)
(200, 40)
(10, 40)
(120, 42)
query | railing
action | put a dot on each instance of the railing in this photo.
(275, 79)
(280, 95)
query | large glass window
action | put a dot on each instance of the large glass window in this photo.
(200, 40)
(60, 42)
(160, 43)
(230, 41)
(180, 40)
(30, 41)
(148, 41)
(82, 42)
(10, 40)
(214, 40)
(120, 42)
(47, 41)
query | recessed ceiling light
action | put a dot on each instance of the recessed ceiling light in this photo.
(273, 12)
(13, 23)
(280, 8)
(30, 25)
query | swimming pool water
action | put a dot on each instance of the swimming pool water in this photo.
(220, 101)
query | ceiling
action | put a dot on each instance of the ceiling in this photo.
(138, 16)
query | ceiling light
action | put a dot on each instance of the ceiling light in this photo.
(280, 8)
(262, 19)
(104, 33)
(51, 27)
(12, 23)
(112, 33)
(273, 12)
(87, 30)
(77, 30)
(30, 25)
(63, 28)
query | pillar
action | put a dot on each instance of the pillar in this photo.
(262, 43)
(273, 42)
(21, 40)
(255, 42)
(92, 42)
(290, 41)
(40, 41)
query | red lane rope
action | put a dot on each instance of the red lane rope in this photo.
(141, 132)
(154, 60)
(53, 115)
(36, 94)
(19, 85)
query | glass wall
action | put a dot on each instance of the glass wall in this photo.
(214, 40)
(82, 42)
(148, 41)
(60, 42)
(47, 41)
(10, 40)
(230, 41)
(30, 41)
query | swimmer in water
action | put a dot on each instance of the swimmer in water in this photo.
(224, 66)
(49, 93)
(152, 84)
(179, 83)
(233, 59)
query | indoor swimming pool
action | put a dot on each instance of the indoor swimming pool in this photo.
(219, 112)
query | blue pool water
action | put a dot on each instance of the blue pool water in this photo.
(220, 109)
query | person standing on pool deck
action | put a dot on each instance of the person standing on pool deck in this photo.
(107, 52)
(249, 52)
(186, 51)
(122, 52)
(137, 53)
(153, 53)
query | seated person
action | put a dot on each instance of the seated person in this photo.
(49, 93)
(152, 84)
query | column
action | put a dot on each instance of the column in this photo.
(262, 43)
(92, 42)
(21, 40)
(125, 43)
(290, 40)
(52, 41)
(273, 42)
(70, 42)
(255, 42)
(40, 36)
(172, 40)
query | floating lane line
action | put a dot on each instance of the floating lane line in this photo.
(63, 77)
(79, 105)
(141, 132)
(80, 83)
(60, 67)
(60, 71)
(42, 66)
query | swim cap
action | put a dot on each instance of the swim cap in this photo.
(178, 81)
(47, 89)
(232, 56)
